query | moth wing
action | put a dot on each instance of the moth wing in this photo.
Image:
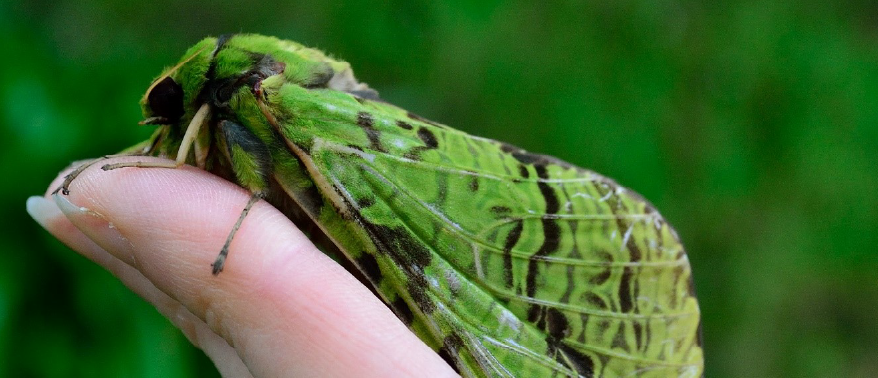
(467, 251)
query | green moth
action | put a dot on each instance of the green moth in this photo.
(507, 263)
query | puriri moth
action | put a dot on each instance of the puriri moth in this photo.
(507, 263)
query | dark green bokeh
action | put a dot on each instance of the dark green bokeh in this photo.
(750, 124)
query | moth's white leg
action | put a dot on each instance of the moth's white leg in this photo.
(188, 139)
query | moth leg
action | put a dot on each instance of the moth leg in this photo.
(221, 258)
(188, 139)
(250, 160)
(64, 188)
(140, 149)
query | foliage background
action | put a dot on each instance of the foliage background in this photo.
(750, 124)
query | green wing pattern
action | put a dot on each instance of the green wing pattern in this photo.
(516, 262)
(550, 259)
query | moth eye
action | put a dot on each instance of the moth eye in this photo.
(166, 100)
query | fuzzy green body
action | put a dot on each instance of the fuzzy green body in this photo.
(507, 263)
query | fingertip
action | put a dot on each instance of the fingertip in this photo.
(42, 210)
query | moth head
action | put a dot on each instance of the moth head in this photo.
(164, 102)
(171, 97)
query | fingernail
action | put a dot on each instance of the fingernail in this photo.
(42, 210)
(182, 319)
(96, 226)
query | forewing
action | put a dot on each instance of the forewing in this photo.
(523, 264)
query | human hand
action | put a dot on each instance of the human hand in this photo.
(280, 307)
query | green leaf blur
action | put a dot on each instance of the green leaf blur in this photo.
(752, 126)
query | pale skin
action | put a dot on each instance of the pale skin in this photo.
(280, 308)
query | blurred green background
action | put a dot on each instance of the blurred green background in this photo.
(750, 124)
